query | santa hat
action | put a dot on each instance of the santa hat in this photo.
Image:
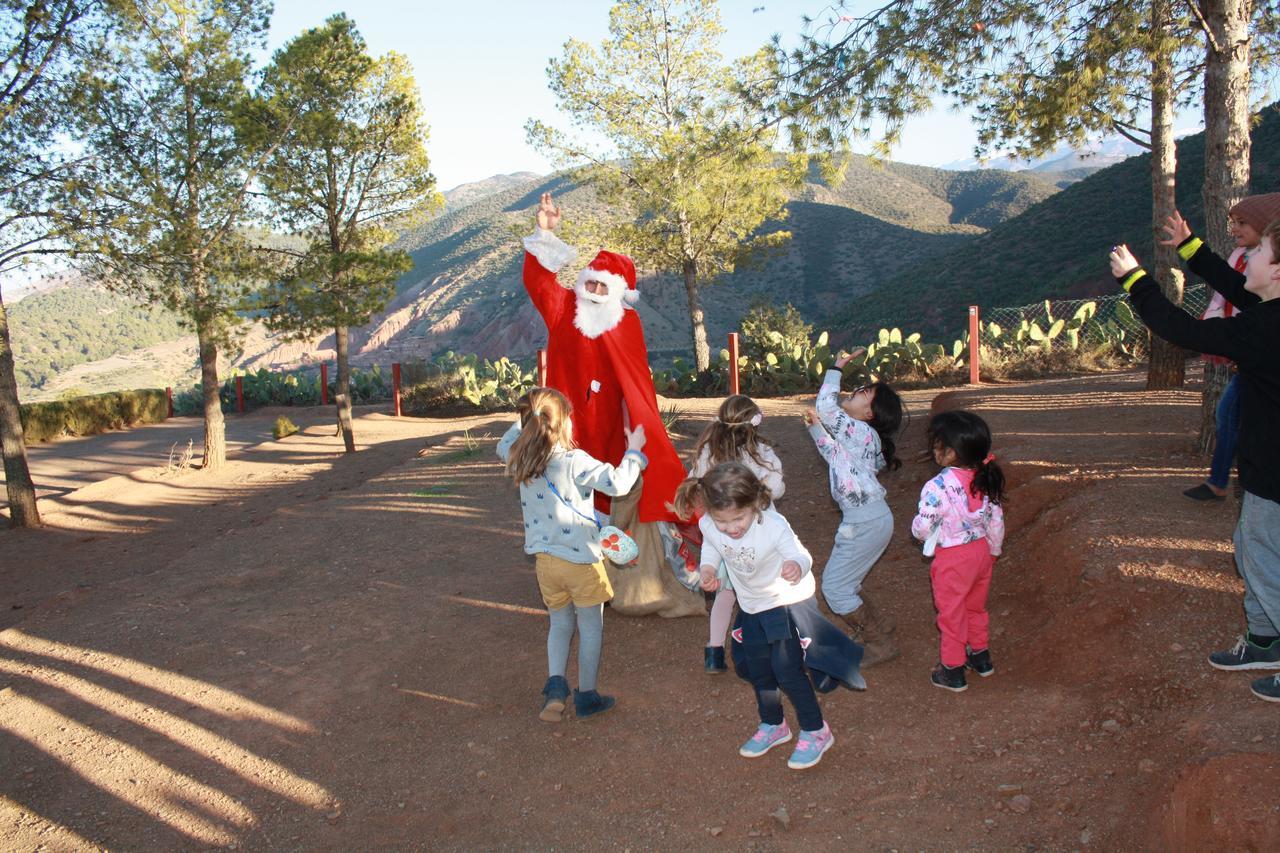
(615, 270)
(1258, 211)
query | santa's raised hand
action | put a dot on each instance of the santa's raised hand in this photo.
(548, 213)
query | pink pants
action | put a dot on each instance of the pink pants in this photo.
(961, 576)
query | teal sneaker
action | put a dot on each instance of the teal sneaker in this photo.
(809, 748)
(765, 739)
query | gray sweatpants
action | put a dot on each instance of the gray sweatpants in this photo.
(1257, 542)
(858, 545)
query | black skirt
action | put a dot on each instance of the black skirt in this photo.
(830, 657)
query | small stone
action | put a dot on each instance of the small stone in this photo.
(480, 774)
(559, 785)
(1020, 804)
(1146, 765)
(1111, 726)
(1086, 836)
(1008, 790)
(715, 831)
(781, 818)
(1176, 647)
(1256, 739)
(333, 815)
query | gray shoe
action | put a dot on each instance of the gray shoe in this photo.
(1246, 654)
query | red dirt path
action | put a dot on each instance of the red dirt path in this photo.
(315, 651)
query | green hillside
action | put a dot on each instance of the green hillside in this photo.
(1054, 249)
(56, 329)
(846, 241)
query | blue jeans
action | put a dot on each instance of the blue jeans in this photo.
(1228, 430)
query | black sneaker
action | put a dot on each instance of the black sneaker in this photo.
(713, 660)
(949, 678)
(1267, 688)
(1246, 654)
(980, 662)
(1203, 493)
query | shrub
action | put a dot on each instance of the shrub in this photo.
(283, 428)
(93, 413)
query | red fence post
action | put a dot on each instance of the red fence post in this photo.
(168, 393)
(733, 363)
(975, 345)
(240, 394)
(324, 383)
(395, 386)
(542, 368)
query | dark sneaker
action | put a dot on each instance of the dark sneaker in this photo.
(980, 662)
(1202, 492)
(1267, 688)
(949, 678)
(588, 703)
(713, 660)
(555, 694)
(1246, 654)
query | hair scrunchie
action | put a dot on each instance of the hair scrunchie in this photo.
(991, 457)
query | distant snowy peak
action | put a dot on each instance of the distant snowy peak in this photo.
(1108, 152)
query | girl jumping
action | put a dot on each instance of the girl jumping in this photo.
(856, 438)
(780, 637)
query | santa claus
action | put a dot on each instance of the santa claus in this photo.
(597, 357)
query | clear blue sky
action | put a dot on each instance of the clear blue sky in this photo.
(481, 67)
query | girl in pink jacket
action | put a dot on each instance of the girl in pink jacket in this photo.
(962, 526)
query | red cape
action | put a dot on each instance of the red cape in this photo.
(619, 361)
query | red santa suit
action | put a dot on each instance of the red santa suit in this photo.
(597, 357)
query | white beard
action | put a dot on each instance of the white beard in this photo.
(595, 315)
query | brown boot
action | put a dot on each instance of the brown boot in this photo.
(878, 617)
(878, 646)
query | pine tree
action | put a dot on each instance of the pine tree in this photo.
(685, 156)
(355, 174)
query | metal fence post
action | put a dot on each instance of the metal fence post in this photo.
(975, 346)
(733, 363)
(395, 386)
(240, 394)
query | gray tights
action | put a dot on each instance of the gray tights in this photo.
(590, 638)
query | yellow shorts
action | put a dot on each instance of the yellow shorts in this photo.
(561, 582)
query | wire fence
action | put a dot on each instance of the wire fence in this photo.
(1062, 324)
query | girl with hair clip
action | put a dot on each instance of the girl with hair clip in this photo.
(561, 530)
(855, 435)
(733, 437)
(780, 637)
(961, 523)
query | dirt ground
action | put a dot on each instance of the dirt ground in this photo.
(314, 651)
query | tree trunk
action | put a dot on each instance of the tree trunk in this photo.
(701, 352)
(1165, 369)
(17, 476)
(215, 432)
(1227, 144)
(342, 388)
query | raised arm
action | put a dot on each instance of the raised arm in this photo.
(545, 255)
(1206, 263)
(508, 439)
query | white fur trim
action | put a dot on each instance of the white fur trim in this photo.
(617, 284)
(631, 297)
(593, 319)
(552, 252)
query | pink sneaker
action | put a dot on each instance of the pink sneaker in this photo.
(765, 739)
(809, 748)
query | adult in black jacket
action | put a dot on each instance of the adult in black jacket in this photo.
(1252, 340)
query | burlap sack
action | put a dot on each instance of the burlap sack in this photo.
(649, 586)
